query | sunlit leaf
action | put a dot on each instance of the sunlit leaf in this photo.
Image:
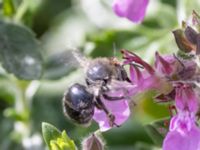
(55, 139)
(49, 133)
(8, 8)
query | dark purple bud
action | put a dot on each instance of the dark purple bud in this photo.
(182, 43)
(191, 35)
(93, 142)
(162, 65)
(187, 70)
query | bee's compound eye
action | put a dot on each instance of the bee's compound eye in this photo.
(78, 104)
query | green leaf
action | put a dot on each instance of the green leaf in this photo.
(20, 51)
(50, 133)
(55, 139)
(63, 143)
(8, 8)
(158, 130)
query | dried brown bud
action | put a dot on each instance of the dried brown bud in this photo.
(182, 43)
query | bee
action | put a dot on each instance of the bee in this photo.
(80, 100)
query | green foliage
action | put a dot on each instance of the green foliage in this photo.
(158, 130)
(55, 139)
(8, 8)
(20, 52)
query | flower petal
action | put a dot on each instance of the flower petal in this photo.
(190, 141)
(133, 10)
(186, 98)
(120, 109)
(163, 66)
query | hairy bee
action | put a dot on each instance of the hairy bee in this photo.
(79, 101)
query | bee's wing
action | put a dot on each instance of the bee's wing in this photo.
(121, 88)
(125, 89)
(63, 62)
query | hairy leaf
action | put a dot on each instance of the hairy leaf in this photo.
(20, 52)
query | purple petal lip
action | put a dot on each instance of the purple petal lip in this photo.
(175, 141)
(120, 109)
(133, 58)
(162, 65)
(186, 99)
(183, 134)
(134, 10)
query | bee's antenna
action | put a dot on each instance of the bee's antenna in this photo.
(114, 49)
(80, 58)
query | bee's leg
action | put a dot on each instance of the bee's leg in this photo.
(100, 105)
(113, 98)
(122, 74)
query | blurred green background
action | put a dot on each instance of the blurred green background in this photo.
(92, 27)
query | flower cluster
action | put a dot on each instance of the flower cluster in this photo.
(176, 79)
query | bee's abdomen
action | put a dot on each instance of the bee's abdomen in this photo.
(83, 116)
(78, 104)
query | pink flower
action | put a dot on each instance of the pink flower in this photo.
(142, 75)
(120, 109)
(172, 67)
(165, 66)
(184, 133)
(186, 99)
(133, 10)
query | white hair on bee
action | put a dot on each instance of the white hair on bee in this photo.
(80, 58)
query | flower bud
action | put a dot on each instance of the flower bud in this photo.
(183, 44)
(191, 35)
(93, 142)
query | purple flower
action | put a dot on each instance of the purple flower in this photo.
(142, 75)
(133, 10)
(186, 99)
(165, 65)
(184, 133)
(120, 109)
(172, 67)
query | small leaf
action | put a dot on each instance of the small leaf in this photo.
(20, 52)
(158, 130)
(55, 139)
(68, 142)
(8, 8)
(50, 133)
